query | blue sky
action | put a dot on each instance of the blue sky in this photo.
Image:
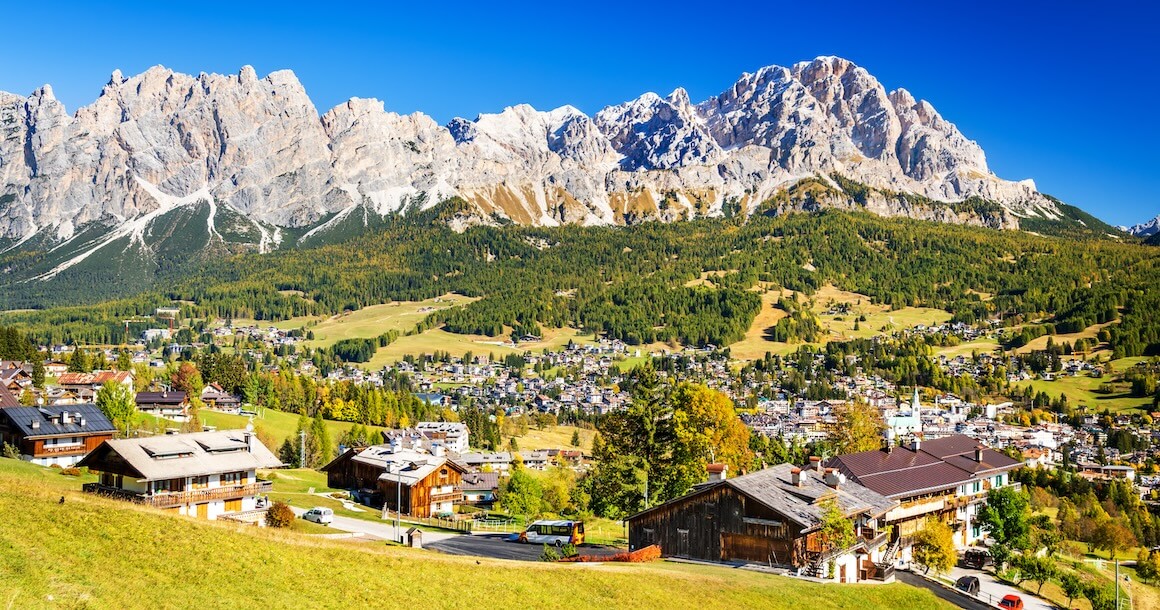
(1067, 97)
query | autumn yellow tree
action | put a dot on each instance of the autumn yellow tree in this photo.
(858, 427)
(708, 429)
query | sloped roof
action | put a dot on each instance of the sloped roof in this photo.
(406, 465)
(185, 455)
(94, 378)
(7, 400)
(22, 418)
(938, 464)
(480, 481)
(773, 487)
(160, 398)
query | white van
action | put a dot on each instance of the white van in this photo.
(554, 532)
(319, 515)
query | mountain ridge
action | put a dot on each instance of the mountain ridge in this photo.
(256, 150)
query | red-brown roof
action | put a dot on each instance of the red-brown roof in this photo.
(7, 399)
(938, 464)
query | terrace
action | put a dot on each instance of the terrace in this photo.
(170, 499)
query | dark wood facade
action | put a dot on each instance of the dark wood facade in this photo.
(347, 473)
(37, 448)
(720, 524)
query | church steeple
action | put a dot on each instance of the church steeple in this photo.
(915, 406)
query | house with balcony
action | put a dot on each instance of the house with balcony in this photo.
(412, 482)
(772, 517)
(170, 405)
(91, 382)
(210, 475)
(946, 478)
(54, 435)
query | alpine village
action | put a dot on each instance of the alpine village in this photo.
(792, 346)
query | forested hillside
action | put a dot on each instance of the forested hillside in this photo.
(635, 283)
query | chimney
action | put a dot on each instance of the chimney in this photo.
(249, 436)
(82, 422)
(834, 478)
(717, 472)
(795, 476)
(35, 424)
(916, 443)
(888, 440)
(979, 453)
(815, 463)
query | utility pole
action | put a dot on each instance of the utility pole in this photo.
(398, 503)
(302, 449)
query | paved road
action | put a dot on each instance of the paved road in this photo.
(497, 546)
(385, 529)
(961, 601)
(993, 590)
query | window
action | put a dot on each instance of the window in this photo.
(233, 478)
(199, 482)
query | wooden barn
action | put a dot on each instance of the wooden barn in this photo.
(772, 517)
(424, 485)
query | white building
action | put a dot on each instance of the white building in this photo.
(203, 474)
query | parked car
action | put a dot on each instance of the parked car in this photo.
(976, 558)
(968, 584)
(319, 515)
(1011, 602)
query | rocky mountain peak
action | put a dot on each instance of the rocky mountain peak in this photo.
(257, 146)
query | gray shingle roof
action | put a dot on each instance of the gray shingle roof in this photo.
(186, 455)
(51, 423)
(773, 487)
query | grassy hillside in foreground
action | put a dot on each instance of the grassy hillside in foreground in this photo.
(96, 553)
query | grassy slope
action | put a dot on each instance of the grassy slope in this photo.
(98, 553)
(1081, 390)
(835, 327)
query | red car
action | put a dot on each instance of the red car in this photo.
(1011, 602)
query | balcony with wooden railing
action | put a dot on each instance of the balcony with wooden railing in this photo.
(170, 499)
(453, 496)
(59, 449)
(873, 537)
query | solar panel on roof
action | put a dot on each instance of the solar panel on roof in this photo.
(215, 444)
(168, 450)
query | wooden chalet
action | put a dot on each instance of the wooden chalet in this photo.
(946, 478)
(771, 517)
(421, 484)
(170, 405)
(54, 435)
(210, 475)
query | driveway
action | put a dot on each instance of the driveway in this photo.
(962, 601)
(497, 546)
(993, 590)
(384, 529)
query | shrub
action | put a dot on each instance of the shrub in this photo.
(10, 451)
(569, 550)
(279, 515)
(549, 554)
(71, 471)
(648, 553)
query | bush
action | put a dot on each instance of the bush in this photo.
(279, 515)
(569, 550)
(549, 554)
(71, 471)
(648, 553)
(10, 451)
